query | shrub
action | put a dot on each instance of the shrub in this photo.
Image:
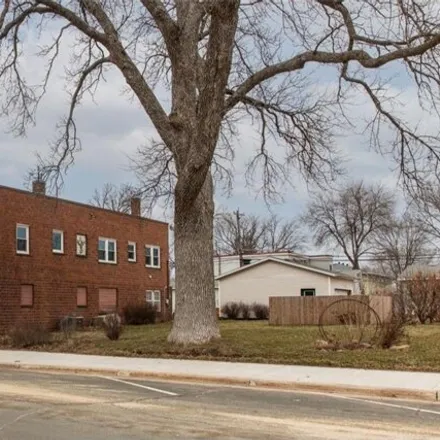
(29, 335)
(420, 297)
(68, 326)
(261, 311)
(231, 310)
(245, 310)
(391, 333)
(139, 314)
(112, 326)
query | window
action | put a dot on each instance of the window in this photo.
(246, 261)
(57, 242)
(152, 256)
(81, 245)
(22, 239)
(81, 297)
(308, 292)
(107, 250)
(153, 298)
(132, 251)
(26, 295)
(343, 292)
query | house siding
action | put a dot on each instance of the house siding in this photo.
(342, 284)
(257, 284)
(56, 277)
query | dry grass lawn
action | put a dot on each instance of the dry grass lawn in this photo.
(256, 341)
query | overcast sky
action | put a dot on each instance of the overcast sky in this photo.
(113, 127)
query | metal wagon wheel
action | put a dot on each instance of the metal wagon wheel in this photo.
(349, 322)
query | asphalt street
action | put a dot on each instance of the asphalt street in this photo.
(61, 407)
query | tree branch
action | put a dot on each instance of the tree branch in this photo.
(165, 23)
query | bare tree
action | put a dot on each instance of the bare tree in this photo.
(401, 244)
(349, 218)
(283, 235)
(223, 60)
(256, 234)
(427, 212)
(234, 236)
(113, 197)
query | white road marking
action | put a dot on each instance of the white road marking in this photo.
(22, 416)
(377, 402)
(157, 390)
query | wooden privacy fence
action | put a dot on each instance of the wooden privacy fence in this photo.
(306, 310)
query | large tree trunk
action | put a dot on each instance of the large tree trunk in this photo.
(195, 319)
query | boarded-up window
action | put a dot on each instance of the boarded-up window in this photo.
(81, 297)
(107, 300)
(27, 295)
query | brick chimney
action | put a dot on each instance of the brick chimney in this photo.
(39, 187)
(135, 206)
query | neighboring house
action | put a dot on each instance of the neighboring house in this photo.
(371, 283)
(367, 282)
(424, 269)
(226, 263)
(272, 276)
(59, 257)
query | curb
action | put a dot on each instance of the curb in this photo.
(405, 394)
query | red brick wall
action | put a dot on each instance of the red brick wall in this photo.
(56, 277)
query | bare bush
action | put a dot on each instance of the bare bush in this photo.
(392, 332)
(420, 297)
(29, 335)
(139, 314)
(231, 310)
(68, 326)
(245, 310)
(261, 311)
(112, 326)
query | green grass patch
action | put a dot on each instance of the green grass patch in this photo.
(256, 341)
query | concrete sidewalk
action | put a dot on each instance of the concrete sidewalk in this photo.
(373, 382)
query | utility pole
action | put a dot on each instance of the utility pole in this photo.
(238, 216)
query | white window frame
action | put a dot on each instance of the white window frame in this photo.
(26, 227)
(107, 241)
(58, 251)
(132, 260)
(152, 248)
(153, 301)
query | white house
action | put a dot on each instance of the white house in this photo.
(302, 274)
(272, 276)
(226, 263)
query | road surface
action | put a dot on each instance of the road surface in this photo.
(41, 406)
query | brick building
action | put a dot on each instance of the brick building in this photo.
(59, 257)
